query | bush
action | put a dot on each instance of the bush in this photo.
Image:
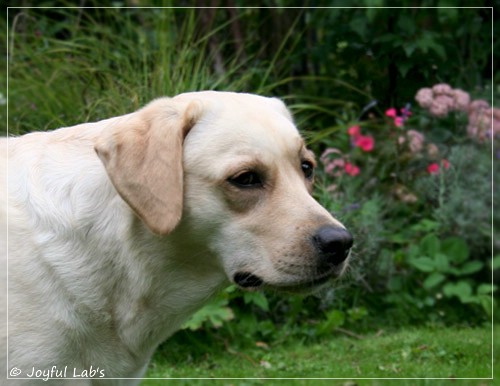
(399, 190)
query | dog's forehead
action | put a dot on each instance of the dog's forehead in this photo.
(261, 133)
(231, 106)
(244, 124)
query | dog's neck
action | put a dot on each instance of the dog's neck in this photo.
(136, 288)
(165, 280)
(182, 280)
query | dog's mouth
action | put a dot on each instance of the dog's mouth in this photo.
(249, 281)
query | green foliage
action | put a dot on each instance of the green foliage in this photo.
(212, 315)
(450, 271)
(117, 59)
(423, 236)
(219, 310)
(459, 208)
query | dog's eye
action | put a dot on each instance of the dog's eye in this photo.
(307, 169)
(247, 180)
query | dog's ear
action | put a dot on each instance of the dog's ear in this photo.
(142, 154)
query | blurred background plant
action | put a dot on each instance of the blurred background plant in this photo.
(396, 103)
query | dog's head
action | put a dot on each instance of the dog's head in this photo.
(233, 170)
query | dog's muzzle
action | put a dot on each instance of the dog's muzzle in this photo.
(332, 245)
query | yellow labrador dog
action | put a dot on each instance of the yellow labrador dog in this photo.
(117, 231)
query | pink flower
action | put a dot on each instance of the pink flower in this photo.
(405, 112)
(441, 106)
(432, 150)
(480, 120)
(442, 89)
(416, 140)
(365, 142)
(354, 131)
(325, 157)
(479, 104)
(333, 161)
(351, 169)
(399, 121)
(391, 112)
(424, 97)
(334, 168)
(433, 168)
(445, 163)
(461, 100)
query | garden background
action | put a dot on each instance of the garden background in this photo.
(396, 103)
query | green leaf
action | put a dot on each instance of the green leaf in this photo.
(438, 49)
(387, 38)
(454, 271)
(462, 290)
(425, 225)
(486, 289)
(357, 313)
(413, 251)
(430, 245)
(406, 24)
(257, 298)
(471, 267)
(447, 13)
(427, 42)
(430, 301)
(486, 302)
(359, 26)
(405, 67)
(395, 284)
(441, 262)
(495, 264)
(334, 319)
(433, 280)
(456, 249)
(424, 264)
(397, 238)
(213, 314)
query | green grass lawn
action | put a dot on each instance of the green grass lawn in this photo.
(409, 353)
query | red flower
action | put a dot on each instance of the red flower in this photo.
(399, 121)
(354, 131)
(391, 112)
(433, 168)
(365, 142)
(351, 169)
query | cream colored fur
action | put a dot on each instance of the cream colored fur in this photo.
(119, 230)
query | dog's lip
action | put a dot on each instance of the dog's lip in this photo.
(301, 286)
(294, 286)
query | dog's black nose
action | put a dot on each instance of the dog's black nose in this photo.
(333, 243)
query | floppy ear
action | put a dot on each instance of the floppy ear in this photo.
(142, 154)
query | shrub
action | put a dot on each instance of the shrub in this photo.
(418, 176)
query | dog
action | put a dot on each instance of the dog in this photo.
(117, 231)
